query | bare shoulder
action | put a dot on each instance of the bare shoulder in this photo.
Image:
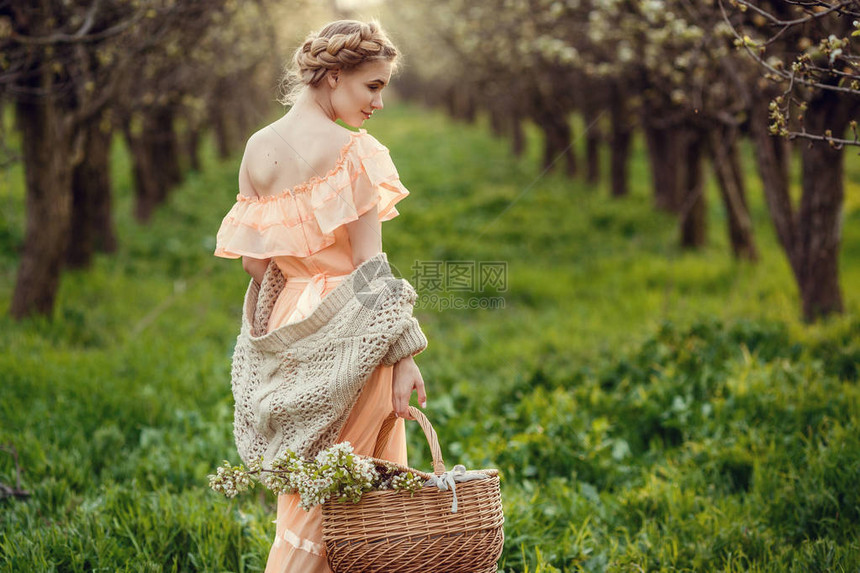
(334, 137)
(311, 149)
(260, 161)
(286, 153)
(367, 137)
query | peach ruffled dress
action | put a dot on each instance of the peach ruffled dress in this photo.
(303, 230)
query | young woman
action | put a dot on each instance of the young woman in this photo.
(312, 196)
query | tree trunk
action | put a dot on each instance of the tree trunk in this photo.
(92, 222)
(556, 139)
(448, 98)
(662, 148)
(620, 142)
(165, 144)
(224, 138)
(518, 137)
(461, 105)
(592, 147)
(147, 181)
(810, 237)
(549, 146)
(566, 136)
(154, 149)
(47, 151)
(820, 214)
(560, 145)
(772, 157)
(467, 105)
(192, 148)
(497, 122)
(694, 209)
(724, 157)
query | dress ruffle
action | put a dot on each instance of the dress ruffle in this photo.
(301, 221)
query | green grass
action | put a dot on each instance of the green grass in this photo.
(650, 408)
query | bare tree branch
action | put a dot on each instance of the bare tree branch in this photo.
(790, 76)
(60, 38)
(788, 23)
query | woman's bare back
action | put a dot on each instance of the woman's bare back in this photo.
(290, 152)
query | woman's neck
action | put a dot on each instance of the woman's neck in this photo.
(313, 104)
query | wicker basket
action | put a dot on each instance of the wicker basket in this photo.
(391, 532)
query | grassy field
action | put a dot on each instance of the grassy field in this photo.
(651, 409)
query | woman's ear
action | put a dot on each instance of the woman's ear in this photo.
(331, 77)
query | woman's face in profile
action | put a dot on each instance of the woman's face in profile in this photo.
(356, 94)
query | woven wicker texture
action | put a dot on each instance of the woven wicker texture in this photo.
(389, 531)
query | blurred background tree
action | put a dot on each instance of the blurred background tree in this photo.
(809, 90)
(77, 71)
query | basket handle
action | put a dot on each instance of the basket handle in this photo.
(429, 433)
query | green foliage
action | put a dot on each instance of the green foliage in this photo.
(650, 409)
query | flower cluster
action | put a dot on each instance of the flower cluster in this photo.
(231, 480)
(336, 473)
(407, 482)
(286, 474)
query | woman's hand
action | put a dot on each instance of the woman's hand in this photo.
(405, 379)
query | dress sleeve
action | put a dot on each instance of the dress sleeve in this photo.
(373, 181)
(301, 221)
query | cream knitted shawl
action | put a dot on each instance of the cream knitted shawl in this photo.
(295, 386)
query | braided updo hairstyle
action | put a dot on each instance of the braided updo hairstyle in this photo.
(341, 45)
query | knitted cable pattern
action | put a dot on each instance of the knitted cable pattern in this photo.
(295, 386)
(272, 284)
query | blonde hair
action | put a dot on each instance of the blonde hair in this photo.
(341, 45)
